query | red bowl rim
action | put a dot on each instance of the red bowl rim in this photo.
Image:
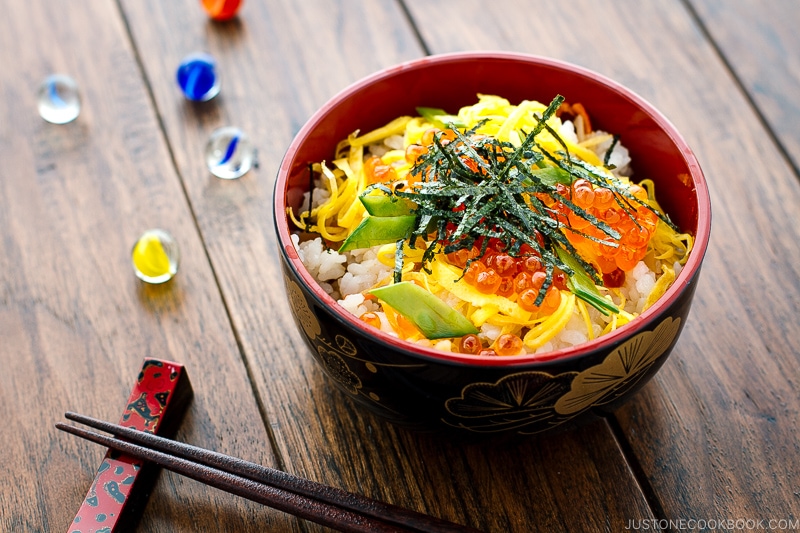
(606, 341)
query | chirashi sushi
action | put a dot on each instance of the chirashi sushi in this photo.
(501, 230)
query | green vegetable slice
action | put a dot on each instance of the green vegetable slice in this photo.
(582, 285)
(434, 318)
(378, 230)
(440, 118)
(381, 205)
(552, 175)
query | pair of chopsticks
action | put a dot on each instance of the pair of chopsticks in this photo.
(329, 506)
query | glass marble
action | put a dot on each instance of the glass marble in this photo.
(221, 9)
(197, 77)
(155, 256)
(58, 99)
(229, 153)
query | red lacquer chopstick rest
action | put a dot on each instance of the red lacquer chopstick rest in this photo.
(122, 484)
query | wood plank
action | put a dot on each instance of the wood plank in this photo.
(75, 323)
(715, 433)
(271, 85)
(759, 42)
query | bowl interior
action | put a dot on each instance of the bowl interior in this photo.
(451, 81)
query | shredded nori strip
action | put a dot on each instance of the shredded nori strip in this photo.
(398, 262)
(614, 141)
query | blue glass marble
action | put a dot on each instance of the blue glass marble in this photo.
(58, 99)
(229, 153)
(197, 77)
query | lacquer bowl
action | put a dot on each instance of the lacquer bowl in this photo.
(428, 389)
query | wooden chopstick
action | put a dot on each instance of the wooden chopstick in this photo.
(329, 506)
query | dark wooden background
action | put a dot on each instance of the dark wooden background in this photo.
(713, 436)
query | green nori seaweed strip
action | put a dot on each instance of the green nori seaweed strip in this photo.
(398, 261)
(614, 141)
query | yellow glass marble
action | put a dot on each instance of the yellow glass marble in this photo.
(155, 256)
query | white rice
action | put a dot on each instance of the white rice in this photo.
(364, 271)
(322, 264)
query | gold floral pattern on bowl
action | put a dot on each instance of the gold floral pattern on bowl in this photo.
(335, 364)
(531, 402)
(302, 313)
(620, 370)
(333, 355)
(519, 402)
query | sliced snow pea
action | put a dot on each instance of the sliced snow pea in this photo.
(440, 118)
(378, 230)
(434, 318)
(382, 205)
(580, 284)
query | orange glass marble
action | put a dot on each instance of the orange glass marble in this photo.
(221, 9)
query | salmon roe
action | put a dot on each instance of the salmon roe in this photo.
(376, 171)
(488, 281)
(405, 327)
(550, 302)
(508, 344)
(414, 152)
(372, 319)
(518, 278)
(445, 136)
(470, 344)
(635, 223)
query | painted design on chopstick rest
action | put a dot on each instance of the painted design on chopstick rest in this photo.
(111, 487)
(522, 402)
(161, 398)
(142, 408)
(302, 313)
(115, 479)
(155, 381)
(620, 371)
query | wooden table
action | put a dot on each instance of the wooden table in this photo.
(712, 438)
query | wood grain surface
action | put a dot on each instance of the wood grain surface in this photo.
(712, 436)
(759, 43)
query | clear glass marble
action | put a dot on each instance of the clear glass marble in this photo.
(58, 99)
(197, 77)
(155, 256)
(229, 153)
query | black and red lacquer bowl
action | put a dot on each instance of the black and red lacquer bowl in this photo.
(488, 395)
